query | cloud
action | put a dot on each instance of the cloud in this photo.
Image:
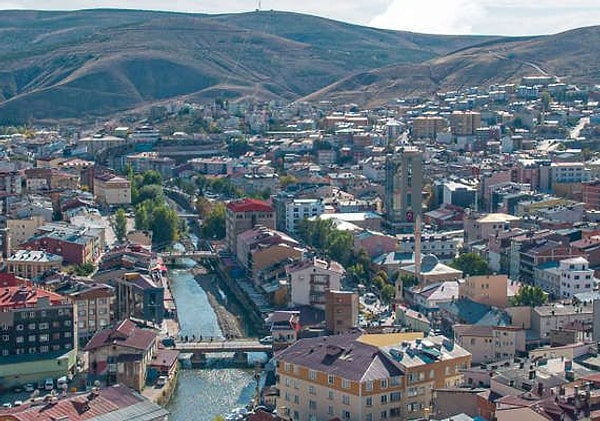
(498, 17)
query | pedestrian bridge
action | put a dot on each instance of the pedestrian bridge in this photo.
(239, 348)
(171, 257)
(235, 345)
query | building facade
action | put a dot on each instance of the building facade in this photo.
(311, 279)
(244, 214)
(403, 188)
(341, 311)
(31, 264)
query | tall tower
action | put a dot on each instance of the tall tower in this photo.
(403, 188)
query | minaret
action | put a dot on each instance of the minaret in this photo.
(418, 247)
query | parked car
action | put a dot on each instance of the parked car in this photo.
(6, 405)
(162, 380)
(18, 403)
(49, 384)
(29, 387)
(267, 340)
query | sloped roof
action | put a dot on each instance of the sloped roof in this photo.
(125, 334)
(249, 205)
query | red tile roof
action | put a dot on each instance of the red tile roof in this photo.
(249, 205)
(126, 334)
(26, 296)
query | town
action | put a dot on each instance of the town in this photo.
(433, 258)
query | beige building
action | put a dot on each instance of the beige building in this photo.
(490, 343)
(427, 126)
(491, 290)
(369, 377)
(21, 230)
(464, 123)
(30, 264)
(112, 190)
(484, 227)
(311, 279)
(94, 308)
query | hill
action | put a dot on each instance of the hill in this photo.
(570, 56)
(67, 65)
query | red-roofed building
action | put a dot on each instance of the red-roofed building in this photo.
(243, 215)
(37, 334)
(122, 354)
(116, 402)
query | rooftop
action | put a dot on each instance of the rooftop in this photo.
(249, 205)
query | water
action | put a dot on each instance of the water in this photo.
(201, 395)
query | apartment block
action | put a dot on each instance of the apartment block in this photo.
(244, 214)
(358, 377)
(311, 279)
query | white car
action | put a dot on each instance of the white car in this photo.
(29, 387)
(18, 403)
(6, 405)
(267, 340)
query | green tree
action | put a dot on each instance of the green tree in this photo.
(152, 177)
(165, 224)
(143, 217)
(203, 206)
(286, 180)
(471, 264)
(120, 225)
(84, 269)
(388, 293)
(150, 192)
(408, 280)
(529, 295)
(213, 226)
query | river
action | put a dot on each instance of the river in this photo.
(201, 395)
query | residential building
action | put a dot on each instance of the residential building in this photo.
(37, 334)
(443, 246)
(490, 343)
(403, 188)
(94, 144)
(431, 270)
(95, 306)
(341, 311)
(284, 326)
(121, 354)
(428, 126)
(242, 215)
(310, 279)
(493, 290)
(212, 166)
(112, 190)
(151, 161)
(140, 296)
(76, 245)
(550, 317)
(265, 253)
(575, 277)
(459, 194)
(11, 183)
(116, 402)
(299, 209)
(31, 264)
(479, 227)
(357, 377)
(21, 230)
(464, 123)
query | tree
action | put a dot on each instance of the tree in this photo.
(203, 206)
(120, 225)
(165, 224)
(471, 264)
(150, 192)
(213, 226)
(142, 217)
(388, 292)
(84, 269)
(152, 177)
(529, 295)
(286, 180)
(408, 280)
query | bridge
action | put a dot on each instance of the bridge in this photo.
(171, 257)
(239, 349)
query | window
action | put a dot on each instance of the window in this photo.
(296, 399)
(345, 384)
(383, 399)
(395, 412)
(384, 384)
(330, 410)
(331, 395)
(346, 414)
(19, 339)
(44, 337)
(287, 367)
(312, 404)
(413, 406)
(5, 338)
(31, 326)
(312, 374)
(346, 399)
(369, 401)
(331, 379)
(44, 348)
(312, 390)
(44, 326)
(383, 415)
(369, 386)
(395, 396)
(31, 338)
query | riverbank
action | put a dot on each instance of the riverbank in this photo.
(226, 310)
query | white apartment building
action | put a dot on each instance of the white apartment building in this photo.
(299, 209)
(310, 279)
(575, 277)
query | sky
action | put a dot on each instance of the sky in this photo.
(472, 17)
